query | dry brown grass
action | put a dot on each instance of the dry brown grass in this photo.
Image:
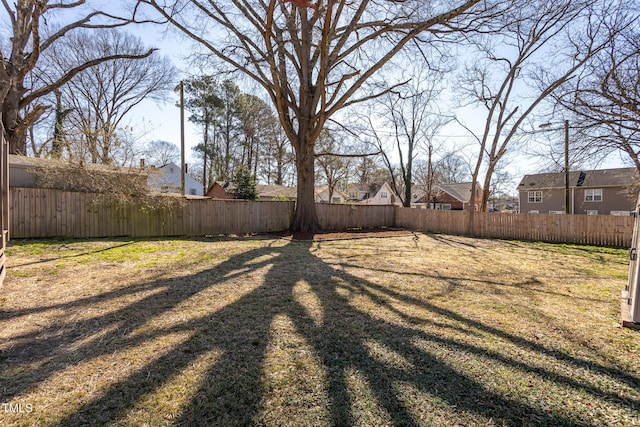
(413, 330)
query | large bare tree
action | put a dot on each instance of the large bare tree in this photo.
(100, 98)
(29, 37)
(333, 169)
(161, 153)
(313, 61)
(276, 166)
(255, 117)
(514, 74)
(407, 119)
(605, 100)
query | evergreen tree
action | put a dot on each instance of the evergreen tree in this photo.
(246, 186)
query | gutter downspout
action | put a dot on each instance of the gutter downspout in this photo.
(573, 201)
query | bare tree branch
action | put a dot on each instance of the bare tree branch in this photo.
(24, 54)
(313, 62)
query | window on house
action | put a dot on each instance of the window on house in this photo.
(446, 207)
(593, 195)
(535, 196)
(534, 212)
(557, 212)
(383, 194)
(592, 212)
(192, 191)
(353, 195)
(335, 199)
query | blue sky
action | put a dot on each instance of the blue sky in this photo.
(162, 121)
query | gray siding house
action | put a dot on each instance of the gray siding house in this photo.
(595, 192)
(49, 173)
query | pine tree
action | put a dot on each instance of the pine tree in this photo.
(246, 186)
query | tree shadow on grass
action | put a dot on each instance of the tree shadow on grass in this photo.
(344, 337)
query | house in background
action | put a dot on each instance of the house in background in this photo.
(507, 204)
(454, 196)
(277, 192)
(380, 194)
(322, 195)
(595, 192)
(356, 192)
(221, 190)
(24, 170)
(224, 190)
(419, 197)
(36, 172)
(167, 179)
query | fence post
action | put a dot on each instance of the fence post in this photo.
(630, 305)
(4, 200)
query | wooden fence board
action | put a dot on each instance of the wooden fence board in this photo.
(602, 230)
(47, 213)
(36, 213)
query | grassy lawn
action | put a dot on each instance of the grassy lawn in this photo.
(410, 330)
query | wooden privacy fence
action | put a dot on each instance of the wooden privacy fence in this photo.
(37, 213)
(343, 217)
(604, 230)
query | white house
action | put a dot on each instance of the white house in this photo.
(166, 179)
(356, 192)
(322, 195)
(381, 195)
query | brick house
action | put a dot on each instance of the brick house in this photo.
(220, 190)
(455, 196)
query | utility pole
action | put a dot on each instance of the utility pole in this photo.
(182, 159)
(567, 196)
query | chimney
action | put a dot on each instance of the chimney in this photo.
(141, 163)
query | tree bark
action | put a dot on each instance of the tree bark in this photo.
(305, 218)
(408, 176)
(486, 189)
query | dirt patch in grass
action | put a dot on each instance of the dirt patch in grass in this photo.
(413, 329)
(360, 233)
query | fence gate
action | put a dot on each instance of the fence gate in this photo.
(4, 201)
(631, 295)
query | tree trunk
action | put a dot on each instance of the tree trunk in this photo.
(471, 229)
(17, 141)
(487, 187)
(280, 166)
(429, 177)
(407, 182)
(305, 218)
(408, 176)
(15, 132)
(205, 187)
